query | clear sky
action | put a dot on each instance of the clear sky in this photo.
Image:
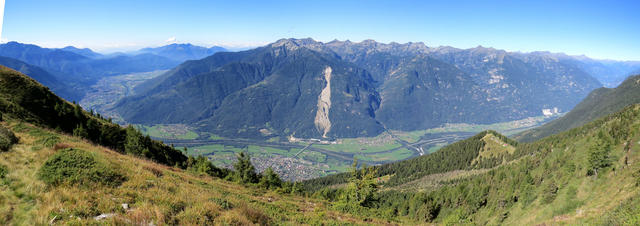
(599, 29)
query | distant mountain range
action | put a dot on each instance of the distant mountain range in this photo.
(76, 69)
(183, 52)
(305, 88)
(268, 90)
(284, 89)
(86, 52)
(599, 103)
(609, 72)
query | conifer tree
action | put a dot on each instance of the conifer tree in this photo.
(244, 170)
(599, 153)
(270, 179)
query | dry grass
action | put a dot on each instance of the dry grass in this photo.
(154, 194)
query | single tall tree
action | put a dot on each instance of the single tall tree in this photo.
(599, 153)
(245, 172)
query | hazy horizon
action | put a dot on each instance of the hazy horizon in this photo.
(599, 30)
(236, 48)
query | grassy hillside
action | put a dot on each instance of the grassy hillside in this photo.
(599, 103)
(25, 99)
(153, 193)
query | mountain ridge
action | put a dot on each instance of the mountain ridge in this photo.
(597, 104)
(403, 75)
(182, 52)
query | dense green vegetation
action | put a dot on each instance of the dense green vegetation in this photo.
(168, 131)
(599, 103)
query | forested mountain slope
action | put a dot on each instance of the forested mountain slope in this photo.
(42, 76)
(398, 86)
(278, 89)
(477, 85)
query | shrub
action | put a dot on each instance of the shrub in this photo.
(245, 172)
(77, 167)
(223, 203)
(270, 179)
(48, 141)
(550, 191)
(7, 139)
(3, 171)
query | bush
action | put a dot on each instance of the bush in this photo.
(245, 172)
(223, 203)
(49, 141)
(77, 167)
(3, 171)
(549, 193)
(7, 139)
(270, 179)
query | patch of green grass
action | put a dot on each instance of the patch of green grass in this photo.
(252, 149)
(176, 131)
(353, 146)
(212, 148)
(48, 140)
(313, 156)
(215, 137)
(412, 136)
(338, 165)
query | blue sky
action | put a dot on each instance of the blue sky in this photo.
(599, 29)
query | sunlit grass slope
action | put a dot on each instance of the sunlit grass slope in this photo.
(150, 193)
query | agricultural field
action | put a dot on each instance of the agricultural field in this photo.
(168, 131)
(365, 145)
